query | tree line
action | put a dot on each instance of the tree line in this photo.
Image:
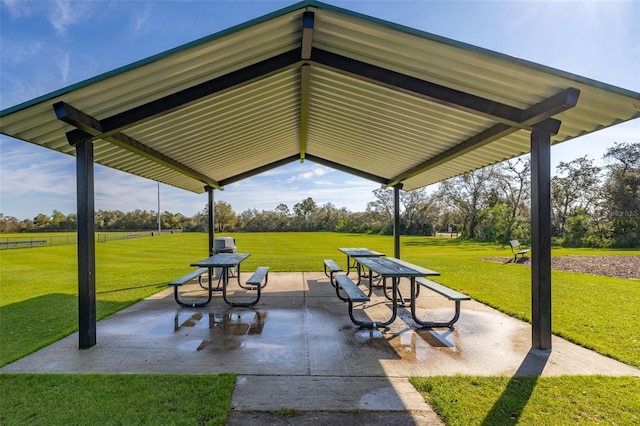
(591, 207)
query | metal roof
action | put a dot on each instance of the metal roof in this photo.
(313, 81)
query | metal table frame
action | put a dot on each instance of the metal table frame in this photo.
(225, 261)
(391, 267)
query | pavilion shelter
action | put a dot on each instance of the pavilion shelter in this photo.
(398, 106)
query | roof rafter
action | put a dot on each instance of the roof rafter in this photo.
(496, 111)
(125, 142)
(538, 114)
(183, 98)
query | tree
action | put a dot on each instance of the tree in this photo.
(170, 220)
(283, 215)
(57, 218)
(514, 182)
(468, 195)
(9, 224)
(41, 221)
(303, 212)
(621, 193)
(223, 215)
(383, 203)
(419, 212)
(575, 185)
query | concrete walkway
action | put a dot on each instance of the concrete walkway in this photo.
(297, 349)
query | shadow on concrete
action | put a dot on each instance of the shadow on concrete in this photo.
(519, 390)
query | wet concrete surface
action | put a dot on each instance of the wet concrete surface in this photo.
(298, 350)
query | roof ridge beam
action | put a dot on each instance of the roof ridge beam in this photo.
(347, 169)
(305, 82)
(308, 23)
(258, 170)
(433, 92)
(85, 122)
(535, 116)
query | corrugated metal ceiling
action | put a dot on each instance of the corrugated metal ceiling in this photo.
(309, 108)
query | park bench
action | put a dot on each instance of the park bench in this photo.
(450, 294)
(330, 268)
(354, 294)
(517, 249)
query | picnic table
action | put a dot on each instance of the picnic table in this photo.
(395, 269)
(225, 262)
(357, 252)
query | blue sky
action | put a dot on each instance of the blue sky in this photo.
(47, 45)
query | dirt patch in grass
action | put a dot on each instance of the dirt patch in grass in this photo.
(610, 266)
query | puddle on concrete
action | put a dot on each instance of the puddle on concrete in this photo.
(222, 330)
(236, 323)
(418, 345)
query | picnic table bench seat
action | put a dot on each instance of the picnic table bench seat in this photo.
(255, 282)
(185, 279)
(450, 294)
(191, 275)
(262, 273)
(354, 294)
(330, 268)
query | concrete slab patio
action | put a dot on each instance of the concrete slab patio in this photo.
(298, 349)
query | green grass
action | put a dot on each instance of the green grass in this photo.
(38, 287)
(500, 401)
(65, 399)
(38, 305)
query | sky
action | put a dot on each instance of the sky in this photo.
(48, 45)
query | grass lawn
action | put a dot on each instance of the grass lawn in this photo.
(553, 401)
(103, 399)
(38, 305)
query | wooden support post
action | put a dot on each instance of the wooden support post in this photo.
(541, 238)
(86, 238)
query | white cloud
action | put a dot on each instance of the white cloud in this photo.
(142, 19)
(27, 171)
(63, 64)
(65, 13)
(316, 171)
(16, 8)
